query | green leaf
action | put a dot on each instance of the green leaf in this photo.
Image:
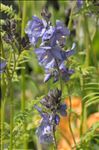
(9, 11)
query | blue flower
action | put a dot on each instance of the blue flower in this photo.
(59, 34)
(56, 35)
(48, 34)
(57, 119)
(47, 55)
(65, 72)
(35, 29)
(62, 109)
(52, 101)
(47, 76)
(45, 132)
(52, 57)
(44, 55)
(50, 53)
(2, 66)
(60, 56)
(79, 3)
(49, 73)
(45, 129)
(50, 115)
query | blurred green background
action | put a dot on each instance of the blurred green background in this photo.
(28, 86)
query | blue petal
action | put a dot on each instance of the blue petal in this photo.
(48, 34)
(46, 139)
(39, 109)
(79, 3)
(71, 71)
(69, 53)
(56, 51)
(61, 27)
(45, 132)
(2, 65)
(47, 77)
(62, 66)
(39, 51)
(35, 29)
(51, 64)
(57, 119)
(62, 109)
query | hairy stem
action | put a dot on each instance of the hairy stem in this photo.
(83, 114)
(70, 127)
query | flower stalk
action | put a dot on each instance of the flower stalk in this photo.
(55, 143)
(10, 86)
(70, 111)
(23, 97)
(52, 56)
(3, 85)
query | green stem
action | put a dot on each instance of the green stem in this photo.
(23, 91)
(71, 15)
(87, 39)
(70, 127)
(23, 19)
(14, 60)
(83, 114)
(10, 90)
(55, 144)
(82, 119)
(23, 71)
(89, 44)
(2, 122)
(3, 101)
(11, 115)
